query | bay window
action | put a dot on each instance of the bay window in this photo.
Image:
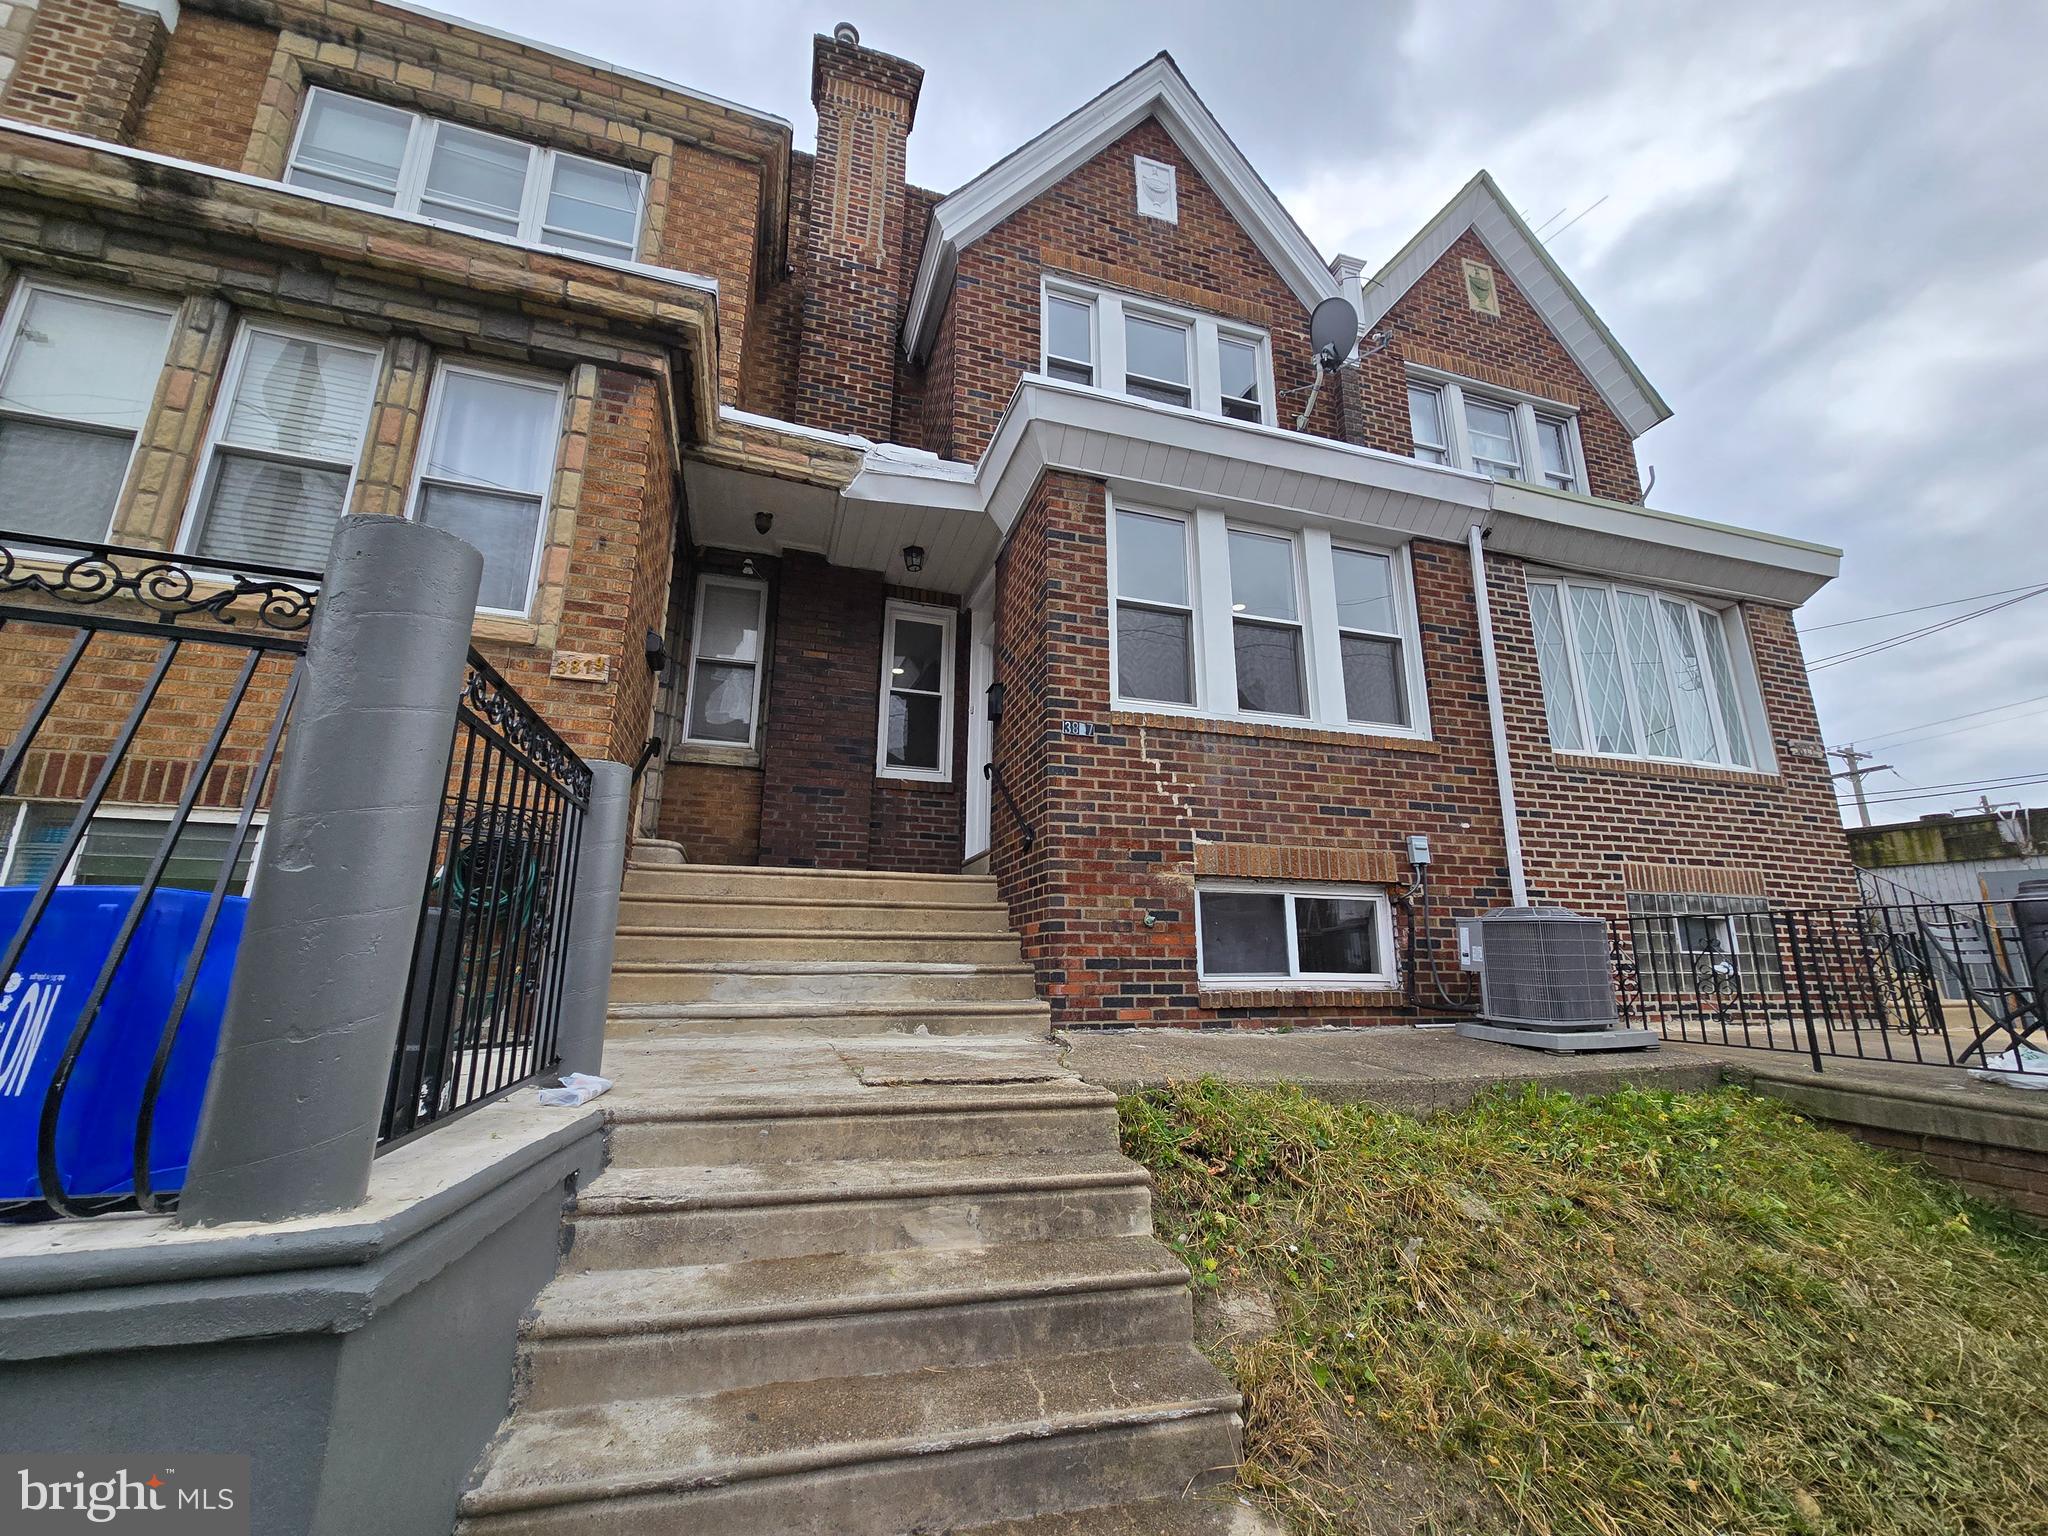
(281, 453)
(1501, 435)
(1215, 616)
(1257, 934)
(723, 706)
(916, 733)
(1154, 351)
(77, 374)
(486, 459)
(1628, 672)
(392, 158)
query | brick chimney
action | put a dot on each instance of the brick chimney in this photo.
(866, 103)
(85, 66)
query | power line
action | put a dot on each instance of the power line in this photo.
(1950, 791)
(1970, 714)
(1975, 597)
(1981, 725)
(1892, 641)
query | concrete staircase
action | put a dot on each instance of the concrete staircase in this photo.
(866, 1260)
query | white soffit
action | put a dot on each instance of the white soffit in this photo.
(1155, 89)
(1480, 208)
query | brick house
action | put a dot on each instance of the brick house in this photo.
(1012, 528)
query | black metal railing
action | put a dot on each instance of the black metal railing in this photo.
(143, 698)
(482, 1012)
(1863, 983)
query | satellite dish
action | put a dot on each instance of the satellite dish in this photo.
(1333, 330)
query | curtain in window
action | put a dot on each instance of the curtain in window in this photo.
(485, 475)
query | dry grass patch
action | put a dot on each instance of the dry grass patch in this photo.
(1645, 1312)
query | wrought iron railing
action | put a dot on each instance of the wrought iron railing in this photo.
(143, 700)
(1860, 983)
(482, 1014)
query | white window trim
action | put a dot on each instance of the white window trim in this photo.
(1451, 391)
(419, 154)
(1389, 977)
(1748, 692)
(553, 384)
(759, 588)
(1315, 575)
(223, 402)
(1299, 569)
(10, 846)
(945, 618)
(1205, 369)
(1192, 608)
(10, 336)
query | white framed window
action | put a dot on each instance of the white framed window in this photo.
(393, 158)
(486, 460)
(727, 648)
(1223, 618)
(1254, 933)
(915, 735)
(1500, 434)
(78, 369)
(1154, 351)
(1266, 647)
(119, 844)
(1634, 672)
(282, 447)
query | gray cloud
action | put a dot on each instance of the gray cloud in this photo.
(1822, 237)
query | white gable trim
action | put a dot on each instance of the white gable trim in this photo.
(1159, 90)
(1480, 208)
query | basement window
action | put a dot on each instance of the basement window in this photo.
(120, 843)
(1630, 672)
(77, 373)
(387, 157)
(1154, 351)
(1502, 435)
(1251, 933)
(916, 730)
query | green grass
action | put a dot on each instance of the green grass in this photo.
(1646, 1312)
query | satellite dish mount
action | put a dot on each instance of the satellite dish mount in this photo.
(1332, 333)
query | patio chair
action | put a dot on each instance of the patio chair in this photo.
(2014, 1008)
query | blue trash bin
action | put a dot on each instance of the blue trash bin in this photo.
(41, 1001)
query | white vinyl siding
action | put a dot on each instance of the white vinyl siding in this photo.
(77, 373)
(1154, 351)
(487, 458)
(1628, 672)
(281, 455)
(727, 639)
(392, 158)
(1496, 432)
(916, 728)
(1253, 934)
(1223, 618)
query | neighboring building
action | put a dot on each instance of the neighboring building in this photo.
(863, 458)
(1972, 861)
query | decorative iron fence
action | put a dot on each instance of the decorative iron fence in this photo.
(143, 699)
(1864, 983)
(483, 1009)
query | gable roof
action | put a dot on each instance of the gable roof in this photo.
(1156, 89)
(1480, 207)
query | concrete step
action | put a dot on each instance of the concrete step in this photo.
(818, 981)
(924, 946)
(693, 913)
(999, 1016)
(1017, 1119)
(636, 1218)
(707, 882)
(612, 1334)
(1217, 1514)
(876, 1455)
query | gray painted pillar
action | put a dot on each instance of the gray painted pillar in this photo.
(290, 1122)
(595, 922)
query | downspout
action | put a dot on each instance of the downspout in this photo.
(1504, 774)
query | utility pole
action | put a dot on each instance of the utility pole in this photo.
(1854, 774)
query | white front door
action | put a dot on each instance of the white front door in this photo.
(981, 667)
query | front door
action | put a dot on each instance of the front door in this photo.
(981, 667)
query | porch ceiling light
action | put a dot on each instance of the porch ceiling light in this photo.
(913, 557)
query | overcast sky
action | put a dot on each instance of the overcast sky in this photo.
(1818, 228)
